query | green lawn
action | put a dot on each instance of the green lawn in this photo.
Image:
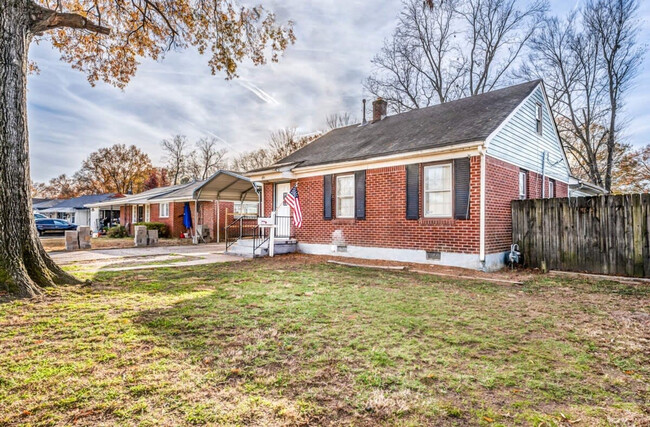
(296, 341)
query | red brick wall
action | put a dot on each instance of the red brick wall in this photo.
(207, 215)
(502, 186)
(386, 224)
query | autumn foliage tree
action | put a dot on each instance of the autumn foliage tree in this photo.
(115, 169)
(103, 39)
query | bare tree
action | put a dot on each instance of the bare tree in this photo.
(567, 58)
(206, 159)
(586, 76)
(615, 27)
(445, 50)
(176, 157)
(422, 63)
(498, 32)
(339, 120)
(281, 143)
(250, 160)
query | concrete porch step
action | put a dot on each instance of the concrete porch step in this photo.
(244, 247)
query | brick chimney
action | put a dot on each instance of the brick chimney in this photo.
(379, 108)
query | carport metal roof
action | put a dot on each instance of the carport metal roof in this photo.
(223, 185)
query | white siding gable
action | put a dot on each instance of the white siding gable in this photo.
(516, 141)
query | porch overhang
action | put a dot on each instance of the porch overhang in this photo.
(227, 186)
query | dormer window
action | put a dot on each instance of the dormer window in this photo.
(538, 118)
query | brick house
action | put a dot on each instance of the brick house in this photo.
(213, 203)
(432, 185)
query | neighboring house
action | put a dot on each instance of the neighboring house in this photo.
(211, 202)
(580, 188)
(76, 210)
(429, 185)
(41, 204)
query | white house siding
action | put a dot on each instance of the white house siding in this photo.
(518, 142)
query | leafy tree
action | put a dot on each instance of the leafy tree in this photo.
(60, 187)
(158, 177)
(631, 173)
(116, 169)
(103, 39)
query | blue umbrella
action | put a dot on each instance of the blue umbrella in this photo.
(187, 216)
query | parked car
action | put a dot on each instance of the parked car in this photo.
(53, 226)
(39, 216)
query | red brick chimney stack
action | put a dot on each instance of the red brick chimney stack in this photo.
(379, 109)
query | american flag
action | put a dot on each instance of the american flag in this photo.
(294, 202)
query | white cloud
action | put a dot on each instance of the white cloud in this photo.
(321, 74)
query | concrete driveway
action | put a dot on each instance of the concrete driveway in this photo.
(144, 258)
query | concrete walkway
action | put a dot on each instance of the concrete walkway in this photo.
(144, 258)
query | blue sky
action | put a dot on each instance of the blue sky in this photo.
(319, 75)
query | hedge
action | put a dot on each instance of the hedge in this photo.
(117, 232)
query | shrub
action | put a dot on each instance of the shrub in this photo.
(117, 232)
(163, 230)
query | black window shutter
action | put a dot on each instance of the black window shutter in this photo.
(327, 197)
(360, 194)
(412, 191)
(461, 188)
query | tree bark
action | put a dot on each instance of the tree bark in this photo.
(25, 267)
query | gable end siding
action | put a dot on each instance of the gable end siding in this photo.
(518, 143)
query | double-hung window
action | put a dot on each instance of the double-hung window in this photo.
(522, 184)
(345, 196)
(163, 210)
(438, 191)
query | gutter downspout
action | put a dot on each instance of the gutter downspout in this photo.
(543, 174)
(481, 150)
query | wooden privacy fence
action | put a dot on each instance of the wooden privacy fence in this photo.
(601, 234)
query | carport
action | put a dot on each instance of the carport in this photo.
(225, 186)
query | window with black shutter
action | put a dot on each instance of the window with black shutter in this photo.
(412, 191)
(461, 188)
(327, 197)
(360, 194)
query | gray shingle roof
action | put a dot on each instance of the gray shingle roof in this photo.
(81, 201)
(465, 120)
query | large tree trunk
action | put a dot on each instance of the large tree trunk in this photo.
(25, 267)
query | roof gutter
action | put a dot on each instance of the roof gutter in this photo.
(373, 162)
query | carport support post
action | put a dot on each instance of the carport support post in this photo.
(219, 222)
(272, 235)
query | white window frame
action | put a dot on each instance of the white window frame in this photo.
(340, 197)
(539, 126)
(523, 179)
(147, 213)
(551, 189)
(449, 190)
(166, 210)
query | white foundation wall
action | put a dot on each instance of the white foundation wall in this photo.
(493, 262)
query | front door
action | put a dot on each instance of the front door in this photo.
(282, 210)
